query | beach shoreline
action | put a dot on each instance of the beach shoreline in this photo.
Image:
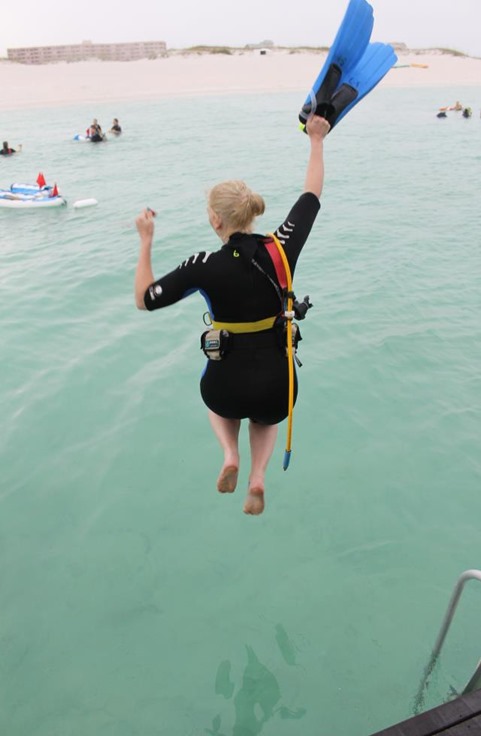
(192, 73)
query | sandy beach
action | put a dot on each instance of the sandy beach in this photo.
(208, 73)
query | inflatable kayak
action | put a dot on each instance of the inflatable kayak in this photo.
(17, 200)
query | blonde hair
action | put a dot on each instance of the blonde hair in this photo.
(236, 204)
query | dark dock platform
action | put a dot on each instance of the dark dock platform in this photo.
(459, 717)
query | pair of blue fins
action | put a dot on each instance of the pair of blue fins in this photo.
(352, 69)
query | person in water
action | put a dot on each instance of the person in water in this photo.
(7, 151)
(94, 132)
(239, 284)
(115, 129)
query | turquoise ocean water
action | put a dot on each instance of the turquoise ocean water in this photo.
(136, 601)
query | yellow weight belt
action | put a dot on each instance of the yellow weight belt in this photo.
(238, 327)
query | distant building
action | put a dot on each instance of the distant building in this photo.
(88, 50)
(261, 45)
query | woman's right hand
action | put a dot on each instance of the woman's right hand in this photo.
(145, 225)
(317, 128)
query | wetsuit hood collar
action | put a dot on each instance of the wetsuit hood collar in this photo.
(245, 244)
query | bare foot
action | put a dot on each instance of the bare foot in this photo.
(255, 501)
(227, 480)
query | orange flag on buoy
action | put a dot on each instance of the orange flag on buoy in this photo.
(41, 180)
(55, 190)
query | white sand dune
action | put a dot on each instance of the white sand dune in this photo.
(207, 73)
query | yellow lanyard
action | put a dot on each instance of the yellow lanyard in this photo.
(288, 315)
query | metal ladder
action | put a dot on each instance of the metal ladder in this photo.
(475, 681)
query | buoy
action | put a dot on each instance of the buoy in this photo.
(85, 203)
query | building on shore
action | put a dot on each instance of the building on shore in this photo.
(88, 50)
(261, 45)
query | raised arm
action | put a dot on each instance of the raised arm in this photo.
(317, 128)
(144, 276)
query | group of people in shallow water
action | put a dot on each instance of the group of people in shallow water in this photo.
(95, 133)
(457, 107)
(247, 375)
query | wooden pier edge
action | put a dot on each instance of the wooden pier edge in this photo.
(459, 717)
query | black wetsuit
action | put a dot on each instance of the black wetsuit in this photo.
(252, 379)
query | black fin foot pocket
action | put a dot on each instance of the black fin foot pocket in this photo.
(321, 97)
(341, 99)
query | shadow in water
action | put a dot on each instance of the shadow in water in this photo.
(257, 700)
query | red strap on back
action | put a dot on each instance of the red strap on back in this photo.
(277, 262)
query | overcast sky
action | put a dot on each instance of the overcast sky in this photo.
(454, 24)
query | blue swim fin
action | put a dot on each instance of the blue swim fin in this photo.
(349, 45)
(375, 63)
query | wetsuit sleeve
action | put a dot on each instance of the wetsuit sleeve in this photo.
(174, 286)
(295, 229)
